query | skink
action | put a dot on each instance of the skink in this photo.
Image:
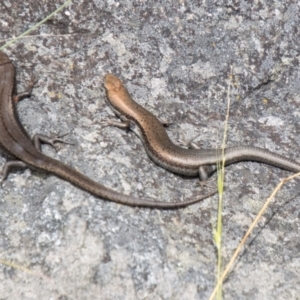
(188, 162)
(16, 142)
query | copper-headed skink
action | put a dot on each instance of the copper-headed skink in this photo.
(16, 142)
(188, 162)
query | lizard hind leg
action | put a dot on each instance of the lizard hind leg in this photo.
(9, 165)
(38, 139)
(205, 173)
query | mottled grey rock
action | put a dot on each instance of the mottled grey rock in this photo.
(175, 58)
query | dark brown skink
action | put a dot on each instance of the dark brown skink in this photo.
(188, 162)
(15, 140)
